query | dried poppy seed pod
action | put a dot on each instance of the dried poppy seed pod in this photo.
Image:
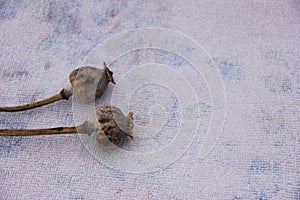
(113, 125)
(86, 81)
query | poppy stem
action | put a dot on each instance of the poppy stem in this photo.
(85, 128)
(63, 95)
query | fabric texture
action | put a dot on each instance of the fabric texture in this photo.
(255, 45)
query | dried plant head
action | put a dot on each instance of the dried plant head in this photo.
(112, 125)
(86, 81)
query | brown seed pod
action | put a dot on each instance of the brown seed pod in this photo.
(85, 81)
(88, 81)
(113, 125)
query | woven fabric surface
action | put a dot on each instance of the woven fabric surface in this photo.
(254, 44)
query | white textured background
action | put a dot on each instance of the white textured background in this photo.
(256, 47)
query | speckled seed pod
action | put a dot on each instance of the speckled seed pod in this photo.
(113, 125)
(86, 81)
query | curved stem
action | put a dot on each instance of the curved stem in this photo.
(63, 95)
(85, 128)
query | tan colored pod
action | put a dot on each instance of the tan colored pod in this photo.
(87, 82)
(113, 125)
(90, 82)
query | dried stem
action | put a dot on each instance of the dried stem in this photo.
(63, 95)
(84, 128)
